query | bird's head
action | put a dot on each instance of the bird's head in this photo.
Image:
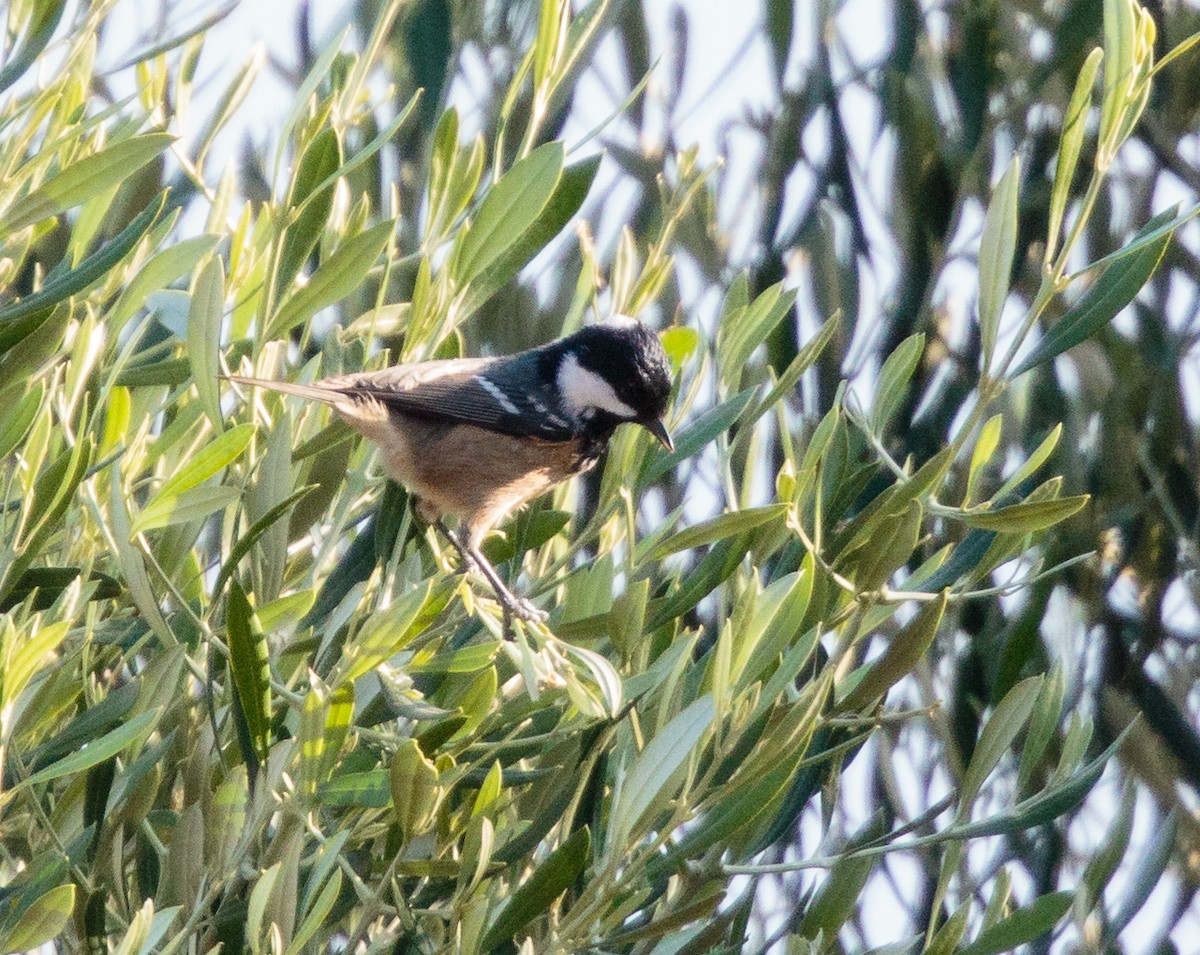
(616, 371)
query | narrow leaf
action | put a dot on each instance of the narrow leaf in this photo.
(336, 278)
(217, 454)
(569, 194)
(511, 206)
(894, 376)
(1027, 517)
(249, 663)
(1026, 924)
(718, 528)
(901, 656)
(1117, 286)
(1074, 125)
(996, 250)
(42, 921)
(1001, 729)
(83, 179)
(191, 505)
(91, 269)
(204, 336)
(666, 753)
(538, 892)
(96, 751)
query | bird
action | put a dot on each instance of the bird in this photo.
(478, 438)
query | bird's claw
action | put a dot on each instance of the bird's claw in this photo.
(523, 609)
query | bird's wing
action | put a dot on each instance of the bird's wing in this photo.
(476, 391)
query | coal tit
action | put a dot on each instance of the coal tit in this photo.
(480, 437)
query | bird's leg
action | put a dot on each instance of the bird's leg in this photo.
(473, 560)
(468, 562)
(517, 606)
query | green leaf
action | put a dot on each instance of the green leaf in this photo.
(894, 376)
(50, 582)
(1042, 808)
(1074, 125)
(1120, 36)
(547, 46)
(1025, 925)
(256, 910)
(132, 566)
(212, 458)
(415, 789)
(303, 95)
(316, 916)
(388, 633)
(41, 922)
(1042, 728)
(312, 737)
(839, 894)
(337, 277)
(717, 528)
(246, 542)
(804, 360)
(18, 421)
(183, 508)
(204, 337)
(1117, 286)
(160, 270)
(231, 98)
(177, 40)
(996, 250)
(313, 188)
(368, 789)
(510, 208)
(945, 942)
(1027, 517)
(52, 496)
(83, 179)
(1162, 224)
(96, 751)
(604, 675)
(985, 447)
(378, 141)
(668, 751)
(1001, 729)
(91, 269)
(695, 437)
(569, 194)
(250, 665)
(1035, 461)
(1152, 863)
(43, 21)
(28, 657)
(534, 896)
(743, 330)
(1105, 860)
(715, 567)
(901, 656)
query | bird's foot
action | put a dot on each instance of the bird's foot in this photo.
(520, 608)
(526, 610)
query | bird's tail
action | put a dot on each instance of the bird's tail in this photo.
(313, 392)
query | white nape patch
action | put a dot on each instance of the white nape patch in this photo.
(583, 389)
(621, 321)
(496, 392)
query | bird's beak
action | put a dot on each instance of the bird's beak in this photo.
(659, 430)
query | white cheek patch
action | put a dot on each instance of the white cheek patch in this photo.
(583, 389)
